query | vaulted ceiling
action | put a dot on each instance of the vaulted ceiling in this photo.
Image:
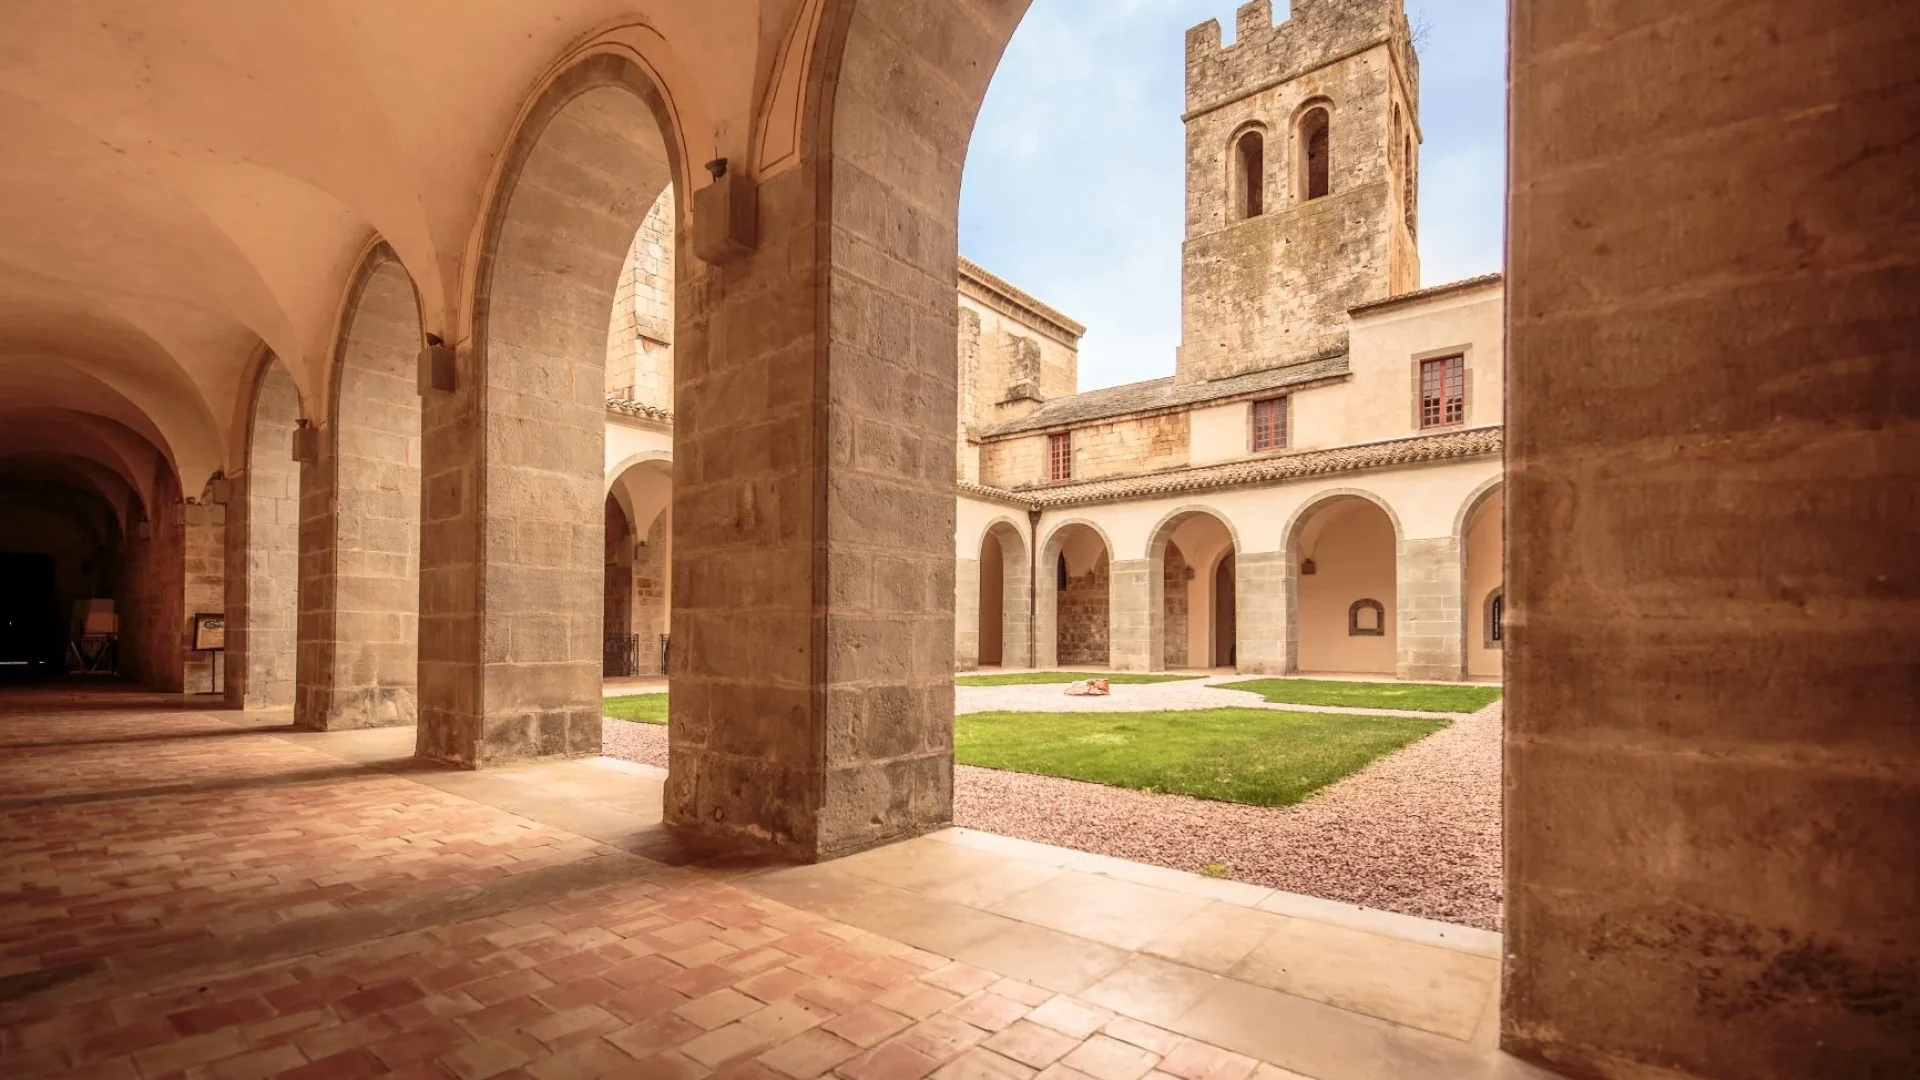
(184, 186)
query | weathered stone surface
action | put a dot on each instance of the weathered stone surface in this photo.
(1712, 593)
(262, 554)
(360, 519)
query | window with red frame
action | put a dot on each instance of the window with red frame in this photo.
(1060, 456)
(1443, 391)
(1270, 424)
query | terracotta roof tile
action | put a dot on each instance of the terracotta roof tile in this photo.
(1156, 394)
(1470, 442)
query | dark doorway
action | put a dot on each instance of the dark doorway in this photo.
(32, 639)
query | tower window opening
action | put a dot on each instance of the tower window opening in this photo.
(1253, 171)
(1313, 137)
(1407, 178)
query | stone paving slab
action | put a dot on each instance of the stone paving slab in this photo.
(270, 910)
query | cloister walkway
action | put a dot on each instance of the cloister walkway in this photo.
(216, 894)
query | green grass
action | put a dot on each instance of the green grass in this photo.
(1028, 678)
(643, 708)
(1264, 757)
(1408, 697)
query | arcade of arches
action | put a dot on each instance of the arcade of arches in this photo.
(304, 329)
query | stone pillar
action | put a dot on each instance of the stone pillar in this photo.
(512, 534)
(1016, 646)
(1263, 602)
(262, 579)
(1136, 616)
(812, 707)
(360, 520)
(966, 614)
(1427, 639)
(204, 546)
(1713, 599)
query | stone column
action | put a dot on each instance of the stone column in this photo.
(359, 590)
(1429, 621)
(966, 614)
(812, 707)
(1016, 648)
(204, 547)
(1263, 604)
(1136, 616)
(262, 551)
(1713, 596)
(360, 519)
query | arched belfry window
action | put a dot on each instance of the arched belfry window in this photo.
(1315, 152)
(1251, 152)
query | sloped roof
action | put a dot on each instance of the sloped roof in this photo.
(1470, 442)
(640, 410)
(1463, 285)
(1168, 393)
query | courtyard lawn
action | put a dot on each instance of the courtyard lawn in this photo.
(1264, 757)
(642, 708)
(1408, 697)
(1030, 678)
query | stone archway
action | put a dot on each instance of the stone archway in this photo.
(1343, 550)
(1074, 623)
(639, 583)
(360, 516)
(262, 549)
(1482, 545)
(1004, 597)
(1184, 556)
(512, 538)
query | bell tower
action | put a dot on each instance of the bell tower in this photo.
(1302, 155)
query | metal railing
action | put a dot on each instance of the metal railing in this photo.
(623, 657)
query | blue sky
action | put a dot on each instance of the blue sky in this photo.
(1075, 177)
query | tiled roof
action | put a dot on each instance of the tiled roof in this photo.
(1471, 442)
(1463, 285)
(1157, 394)
(992, 282)
(638, 409)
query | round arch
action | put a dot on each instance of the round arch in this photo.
(263, 544)
(1001, 631)
(1480, 535)
(1360, 569)
(1085, 625)
(1184, 624)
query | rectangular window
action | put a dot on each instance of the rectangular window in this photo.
(1060, 456)
(1270, 424)
(1443, 391)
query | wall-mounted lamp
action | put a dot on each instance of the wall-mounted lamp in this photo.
(1307, 568)
(436, 366)
(306, 442)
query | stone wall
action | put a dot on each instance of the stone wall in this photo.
(1111, 448)
(153, 594)
(1711, 750)
(360, 520)
(1428, 641)
(640, 335)
(1083, 615)
(262, 553)
(1173, 611)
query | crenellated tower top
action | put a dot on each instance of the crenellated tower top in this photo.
(1318, 32)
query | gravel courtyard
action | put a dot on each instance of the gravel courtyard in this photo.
(1416, 831)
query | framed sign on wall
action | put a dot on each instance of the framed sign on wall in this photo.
(209, 631)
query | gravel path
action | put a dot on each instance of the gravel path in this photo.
(1417, 831)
